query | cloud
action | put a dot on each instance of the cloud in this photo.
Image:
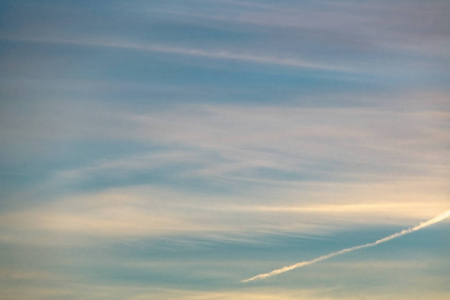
(145, 211)
(152, 145)
(152, 293)
(238, 295)
(279, 161)
(345, 27)
(171, 50)
(422, 225)
(20, 274)
(110, 213)
(292, 139)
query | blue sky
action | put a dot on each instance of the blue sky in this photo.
(170, 149)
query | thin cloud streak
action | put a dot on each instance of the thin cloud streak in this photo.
(211, 54)
(422, 225)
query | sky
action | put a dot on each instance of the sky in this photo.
(172, 149)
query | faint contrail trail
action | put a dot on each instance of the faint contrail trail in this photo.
(424, 224)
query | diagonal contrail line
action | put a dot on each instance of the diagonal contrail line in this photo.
(422, 225)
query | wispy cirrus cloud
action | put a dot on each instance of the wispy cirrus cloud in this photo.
(344, 26)
(300, 154)
(149, 148)
(202, 53)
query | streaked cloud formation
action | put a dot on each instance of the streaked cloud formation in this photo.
(168, 149)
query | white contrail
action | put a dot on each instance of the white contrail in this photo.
(424, 224)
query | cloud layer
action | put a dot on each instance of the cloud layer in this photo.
(167, 149)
